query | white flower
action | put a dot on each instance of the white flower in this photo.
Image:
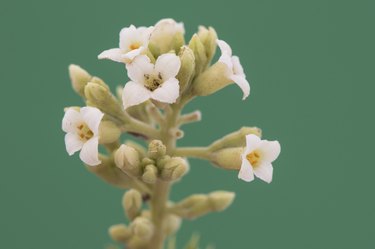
(133, 41)
(235, 71)
(257, 158)
(82, 133)
(149, 81)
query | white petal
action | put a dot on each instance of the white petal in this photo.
(89, 153)
(224, 47)
(246, 171)
(270, 150)
(72, 143)
(243, 84)
(134, 93)
(168, 65)
(145, 33)
(126, 37)
(140, 66)
(71, 119)
(252, 143)
(129, 56)
(114, 54)
(237, 67)
(92, 117)
(168, 92)
(264, 172)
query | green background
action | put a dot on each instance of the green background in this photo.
(311, 67)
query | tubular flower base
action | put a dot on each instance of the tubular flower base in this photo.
(165, 75)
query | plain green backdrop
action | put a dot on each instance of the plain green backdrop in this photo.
(311, 68)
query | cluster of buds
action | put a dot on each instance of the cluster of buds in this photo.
(165, 73)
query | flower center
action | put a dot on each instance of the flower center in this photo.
(253, 158)
(152, 82)
(134, 46)
(84, 132)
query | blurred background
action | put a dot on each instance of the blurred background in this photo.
(311, 69)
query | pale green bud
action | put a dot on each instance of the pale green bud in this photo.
(108, 172)
(172, 224)
(156, 149)
(127, 159)
(120, 233)
(193, 206)
(100, 82)
(150, 174)
(100, 97)
(197, 47)
(186, 73)
(235, 139)
(220, 200)
(132, 203)
(79, 78)
(174, 169)
(108, 132)
(142, 228)
(139, 148)
(228, 158)
(208, 38)
(212, 80)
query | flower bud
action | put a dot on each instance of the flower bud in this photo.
(197, 47)
(139, 148)
(208, 38)
(132, 203)
(79, 78)
(150, 174)
(228, 158)
(235, 139)
(192, 207)
(156, 149)
(212, 80)
(172, 224)
(186, 73)
(127, 159)
(167, 35)
(108, 132)
(142, 228)
(102, 98)
(174, 169)
(220, 200)
(120, 233)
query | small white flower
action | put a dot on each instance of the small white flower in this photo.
(257, 158)
(133, 41)
(235, 71)
(149, 81)
(82, 133)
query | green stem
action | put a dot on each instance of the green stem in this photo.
(196, 152)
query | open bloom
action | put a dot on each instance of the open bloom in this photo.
(235, 71)
(133, 41)
(257, 158)
(82, 133)
(149, 81)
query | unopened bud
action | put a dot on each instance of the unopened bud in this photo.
(79, 78)
(172, 224)
(228, 158)
(132, 203)
(156, 149)
(186, 73)
(193, 206)
(174, 169)
(235, 139)
(150, 174)
(142, 228)
(220, 200)
(208, 38)
(127, 159)
(197, 47)
(108, 132)
(120, 233)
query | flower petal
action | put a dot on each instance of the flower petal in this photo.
(237, 67)
(140, 66)
(70, 120)
(168, 92)
(168, 65)
(134, 93)
(242, 83)
(126, 37)
(252, 143)
(89, 153)
(264, 172)
(129, 56)
(246, 172)
(224, 47)
(72, 143)
(92, 117)
(114, 54)
(271, 150)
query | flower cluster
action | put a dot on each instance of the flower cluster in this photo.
(165, 74)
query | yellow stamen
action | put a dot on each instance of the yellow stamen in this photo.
(253, 158)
